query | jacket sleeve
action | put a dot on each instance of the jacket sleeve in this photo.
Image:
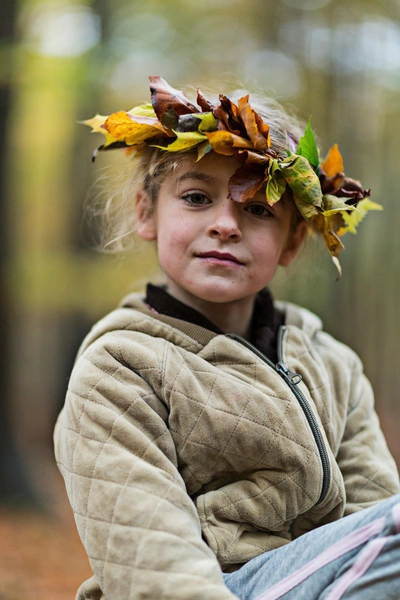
(139, 527)
(369, 471)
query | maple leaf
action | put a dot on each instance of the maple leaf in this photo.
(308, 146)
(246, 181)
(256, 129)
(166, 98)
(133, 130)
(333, 164)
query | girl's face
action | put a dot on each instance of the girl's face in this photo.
(210, 247)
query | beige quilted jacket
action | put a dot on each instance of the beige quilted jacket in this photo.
(185, 452)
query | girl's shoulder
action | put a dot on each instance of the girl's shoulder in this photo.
(331, 350)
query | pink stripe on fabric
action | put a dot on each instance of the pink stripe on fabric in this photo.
(360, 566)
(396, 516)
(346, 544)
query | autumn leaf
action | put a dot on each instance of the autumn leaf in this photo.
(133, 130)
(333, 164)
(207, 121)
(256, 129)
(225, 142)
(246, 181)
(332, 241)
(203, 149)
(184, 141)
(228, 115)
(332, 205)
(308, 146)
(354, 219)
(166, 98)
(96, 123)
(276, 183)
(302, 180)
(143, 110)
(202, 101)
(248, 156)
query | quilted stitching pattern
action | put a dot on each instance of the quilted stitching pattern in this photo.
(151, 416)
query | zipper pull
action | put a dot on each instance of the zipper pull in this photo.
(293, 378)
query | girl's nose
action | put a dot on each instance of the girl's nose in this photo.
(225, 222)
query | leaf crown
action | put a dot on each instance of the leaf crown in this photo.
(328, 200)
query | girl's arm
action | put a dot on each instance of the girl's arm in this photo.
(369, 471)
(138, 524)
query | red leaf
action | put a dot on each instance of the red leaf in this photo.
(246, 181)
(164, 97)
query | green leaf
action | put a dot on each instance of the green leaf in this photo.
(308, 146)
(184, 141)
(144, 110)
(208, 121)
(303, 182)
(364, 206)
(276, 184)
(332, 205)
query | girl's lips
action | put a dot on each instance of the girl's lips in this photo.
(220, 257)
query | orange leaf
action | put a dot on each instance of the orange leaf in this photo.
(246, 181)
(257, 130)
(225, 142)
(134, 129)
(333, 163)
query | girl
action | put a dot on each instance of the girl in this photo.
(216, 444)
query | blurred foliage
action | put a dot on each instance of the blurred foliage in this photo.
(338, 61)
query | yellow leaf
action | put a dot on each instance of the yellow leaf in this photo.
(96, 124)
(353, 220)
(333, 163)
(133, 130)
(185, 140)
(144, 110)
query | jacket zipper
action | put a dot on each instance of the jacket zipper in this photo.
(292, 380)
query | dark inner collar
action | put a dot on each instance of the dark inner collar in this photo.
(265, 323)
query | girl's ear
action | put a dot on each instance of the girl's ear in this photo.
(145, 219)
(293, 244)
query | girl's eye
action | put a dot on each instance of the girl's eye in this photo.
(259, 210)
(196, 198)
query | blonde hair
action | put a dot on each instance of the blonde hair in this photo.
(112, 200)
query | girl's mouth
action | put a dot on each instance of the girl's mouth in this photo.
(220, 257)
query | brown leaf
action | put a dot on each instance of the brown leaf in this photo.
(224, 142)
(246, 181)
(256, 129)
(166, 98)
(202, 101)
(228, 114)
(248, 156)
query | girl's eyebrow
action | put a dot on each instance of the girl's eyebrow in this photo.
(198, 175)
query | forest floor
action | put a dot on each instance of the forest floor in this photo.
(41, 556)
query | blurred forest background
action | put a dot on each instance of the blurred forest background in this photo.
(63, 61)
